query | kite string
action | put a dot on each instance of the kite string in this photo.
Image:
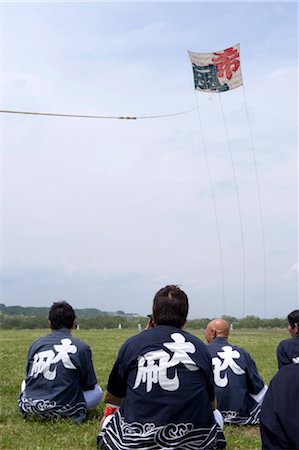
(213, 199)
(88, 116)
(259, 202)
(238, 200)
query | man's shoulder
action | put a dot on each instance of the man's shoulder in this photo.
(81, 345)
(243, 352)
(288, 342)
(42, 340)
(194, 339)
(55, 337)
(288, 373)
(219, 343)
(160, 333)
(237, 348)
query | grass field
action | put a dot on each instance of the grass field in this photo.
(18, 434)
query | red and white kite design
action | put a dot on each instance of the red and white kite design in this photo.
(217, 72)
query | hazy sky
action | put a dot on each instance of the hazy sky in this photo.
(102, 213)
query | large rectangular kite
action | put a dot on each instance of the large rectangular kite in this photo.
(217, 72)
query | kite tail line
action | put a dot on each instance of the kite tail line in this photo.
(259, 202)
(213, 200)
(238, 202)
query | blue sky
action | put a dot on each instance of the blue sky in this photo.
(102, 213)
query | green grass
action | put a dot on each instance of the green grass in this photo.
(19, 434)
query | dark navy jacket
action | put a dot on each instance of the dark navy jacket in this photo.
(165, 378)
(288, 351)
(279, 417)
(59, 368)
(235, 377)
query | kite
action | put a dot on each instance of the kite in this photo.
(217, 72)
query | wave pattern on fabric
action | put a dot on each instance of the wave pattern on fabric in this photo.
(119, 435)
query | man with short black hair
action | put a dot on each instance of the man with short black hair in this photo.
(60, 378)
(288, 349)
(162, 380)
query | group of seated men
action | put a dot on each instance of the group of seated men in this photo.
(167, 389)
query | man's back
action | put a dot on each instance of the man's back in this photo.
(288, 351)
(280, 411)
(236, 379)
(162, 380)
(59, 367)
(166, 369)
(165, 378)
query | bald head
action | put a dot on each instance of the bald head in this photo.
(217, 328)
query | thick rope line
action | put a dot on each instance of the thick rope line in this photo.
(214, 203)
(238, 201)
(86, 116)
(259, 203)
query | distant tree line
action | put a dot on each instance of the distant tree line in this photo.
(35, 311)
(18, 317)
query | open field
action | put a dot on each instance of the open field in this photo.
(18, 434)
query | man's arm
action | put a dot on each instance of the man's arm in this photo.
(112, 405)
(88, 378)
(117, 385)
(255, 383)
(214, 404)
(217, 414)
(259, 397)
(281, 355)
(110, 398)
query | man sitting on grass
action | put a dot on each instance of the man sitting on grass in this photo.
(280, 412)
(288, 349)
(163, 382)
(239, 388)
(60, 378)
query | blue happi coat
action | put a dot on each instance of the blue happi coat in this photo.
(59, 368)
(236, 380)
(165, 378)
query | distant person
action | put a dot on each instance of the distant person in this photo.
(288, 349)
(160, 392)
(239, 388)
(150, 322)
(279, 417)
(60, 378)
